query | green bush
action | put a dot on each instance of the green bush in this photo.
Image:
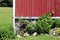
(23, 21)
(57, 23)
(44, 24)
(31, 28)
(7, 34)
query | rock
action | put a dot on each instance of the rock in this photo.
(33, 22)
(54, 32)
(46, 34)
(19, 36)
(41, 34)
(34, 34)
(26, 34)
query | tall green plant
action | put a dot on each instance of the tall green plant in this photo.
(44, 24)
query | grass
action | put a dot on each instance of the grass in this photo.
(5, 17)
(39, 38)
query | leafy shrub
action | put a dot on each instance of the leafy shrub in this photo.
(44, 24)
(57, 23)
(31, 28)
(7, 34)
(24, 21)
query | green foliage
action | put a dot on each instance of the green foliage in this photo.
(23, 21)
(31, 28)
(44, 24)
(7, 33)
(57, 23)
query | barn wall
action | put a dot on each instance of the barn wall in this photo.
(36, 8)
(57, 7)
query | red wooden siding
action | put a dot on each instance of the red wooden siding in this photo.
(57, 7)
(36, 8)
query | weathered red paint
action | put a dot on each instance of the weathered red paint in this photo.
(36, 8)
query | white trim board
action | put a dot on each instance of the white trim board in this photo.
(34, 17)
(14, 15)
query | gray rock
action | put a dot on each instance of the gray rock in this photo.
(34, 34)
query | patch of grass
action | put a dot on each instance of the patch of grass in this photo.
(5, 17)
(6, 28)
(38, 38)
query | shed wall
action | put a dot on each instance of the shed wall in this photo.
(36, 8)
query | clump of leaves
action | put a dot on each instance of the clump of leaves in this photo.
(24, 21)
(44, 24)
(31, 28)
(57, 23)
(7, 34)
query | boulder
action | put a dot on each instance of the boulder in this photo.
(34, 34)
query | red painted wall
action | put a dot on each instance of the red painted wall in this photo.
(57, 7)
(36, 8)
